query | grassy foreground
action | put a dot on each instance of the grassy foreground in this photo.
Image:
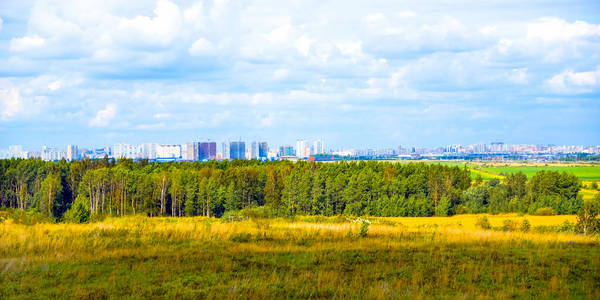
(309, 257)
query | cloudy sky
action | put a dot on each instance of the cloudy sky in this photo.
(355, 73)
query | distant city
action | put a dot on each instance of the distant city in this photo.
(302, 150)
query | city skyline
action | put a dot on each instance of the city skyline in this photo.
(379, 73)
(304, 149)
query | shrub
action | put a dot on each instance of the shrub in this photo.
(483, 223)
(233, 216)
(509, 225)
(261, 212)
(594, 185)
(545, 211)
(526, 225)
(566, 227)
(364, 227)
(460, 209)
(79, 211)
(443, 208)
(30, 217)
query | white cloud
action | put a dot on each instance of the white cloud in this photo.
(279, 34)
(351, 48)
(26, 43)
(570, 82)
(406, 14)
(375, 18)
(11, 103)
(488, 30)
(518, 76)
(303, 45)
(281, 74)
(202, 47)
(552, 40)
(160, 30)
(55, 85)
(1, 23)
(266, 121)
(104, 116)
(555, 29)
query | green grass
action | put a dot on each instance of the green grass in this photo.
(583, 172)
(495, 170)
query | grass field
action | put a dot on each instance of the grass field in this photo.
(585, 172)
(309, 257)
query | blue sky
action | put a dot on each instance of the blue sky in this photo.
(355, 73)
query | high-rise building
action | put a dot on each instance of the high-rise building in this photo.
(302, 149)
(287, 151)
(189, 151)
(237, 150)
(52, 154)
(207, 151)
(72, 153)
(168, 152)
(148, 150)
(124, 150)
(225, 150)
(263, 150)
(248, 153)
(318, 147)
(16, 151)
(254, 150)
(497, 147)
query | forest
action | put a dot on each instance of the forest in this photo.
(82, 190)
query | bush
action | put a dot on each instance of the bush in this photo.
(460, 209)
(545, 211)
(364, 228)
(566, 227)
(483, 223)
(594, 185)
(30, 217)
(79, 211)
(526, 225)
(261, 212)
(443, 208)
(509, 225)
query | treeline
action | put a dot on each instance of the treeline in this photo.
(82, 189)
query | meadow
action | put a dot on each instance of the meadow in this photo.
(304, 257)
(585, 172)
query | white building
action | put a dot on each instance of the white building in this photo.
(72, 152)
(318, 147)
(52, 154)
(302, 149)
(189, 151)
(16, 151)
(225, 150)
(148, 150)
(168, 152)
(254, 150)
(124, 150)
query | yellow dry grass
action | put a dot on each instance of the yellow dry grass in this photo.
(275, 258)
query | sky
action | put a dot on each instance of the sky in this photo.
(360, 74)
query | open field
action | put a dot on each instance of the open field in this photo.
(309, 257)
(490, 170)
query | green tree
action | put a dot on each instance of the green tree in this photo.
(587, 218)
(79, 211)
(443, 208)
(50, 192)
